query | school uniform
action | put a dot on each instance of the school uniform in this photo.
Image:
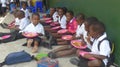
(72, 26)
(23, 23)
(17, 21)
(11, 1)
(62, 21)
(104, 47)
(80, 30)
(35, 29)
(55, 18)
(16, 34)
(27, 13)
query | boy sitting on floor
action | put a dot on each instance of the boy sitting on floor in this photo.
(99, 56)
(34, 27)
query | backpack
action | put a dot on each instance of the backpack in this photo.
(47, 62)
(111, 58)
(17, 57)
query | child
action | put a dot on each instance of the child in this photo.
(12, 6)
(96, 31)
(24, 8)
(17, 2)
(61, 20)
(14, 23)
(67, 49)
(17, 34)
(80, 28)
(4, 7)
(71, 26)
(34, 27)
(54, 14)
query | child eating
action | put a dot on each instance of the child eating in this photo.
(36, 28)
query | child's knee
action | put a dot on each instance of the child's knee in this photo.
(77, 52)
(95, 63)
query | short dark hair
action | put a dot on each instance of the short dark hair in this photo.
(91, 20)
(24, 3)
(80, 16)
(62, 9)
(15, 12)
(35, 14)
(65, 9)
(21, 13)
(98, 27)
(70, 12)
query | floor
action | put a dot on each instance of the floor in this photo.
(6, 48)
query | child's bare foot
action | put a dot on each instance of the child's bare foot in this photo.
(29, 42)
(35, 49)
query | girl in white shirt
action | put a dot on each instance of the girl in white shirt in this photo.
(34, 27)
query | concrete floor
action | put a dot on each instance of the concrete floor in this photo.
(6, 48)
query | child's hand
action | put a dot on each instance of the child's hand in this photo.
(40, 34)
(88, 38)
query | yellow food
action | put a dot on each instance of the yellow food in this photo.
(77, 44)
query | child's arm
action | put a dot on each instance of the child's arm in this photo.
(40, 34)
(15, 27)
(101, 57)
(88, 39)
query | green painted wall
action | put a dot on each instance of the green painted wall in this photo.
(108, 11)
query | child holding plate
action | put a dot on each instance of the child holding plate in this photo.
(33, 31)
(99, 55)
(66, 50)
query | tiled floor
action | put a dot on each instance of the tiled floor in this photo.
(15, 46)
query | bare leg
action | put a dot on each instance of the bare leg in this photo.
(56, 35)
(94, 63)
(59, 40)
(65, 47)
(66, 52)
(63, 43)
(35, 48)
(29, 42)
(47, 27)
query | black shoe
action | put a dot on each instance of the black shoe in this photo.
(3, 26)
(47, 45)
(74, 61)
(25, 44)
(52, 55)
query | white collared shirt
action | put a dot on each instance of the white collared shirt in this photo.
(80, 30)
(4, 3)
(27, 13)
(104, 47)
(11, 0)
(55, 18)
(17, 21)
(35, 29)
(23, 23)
(62, 21)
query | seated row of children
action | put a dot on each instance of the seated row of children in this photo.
(25, 25)
(89, 30)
